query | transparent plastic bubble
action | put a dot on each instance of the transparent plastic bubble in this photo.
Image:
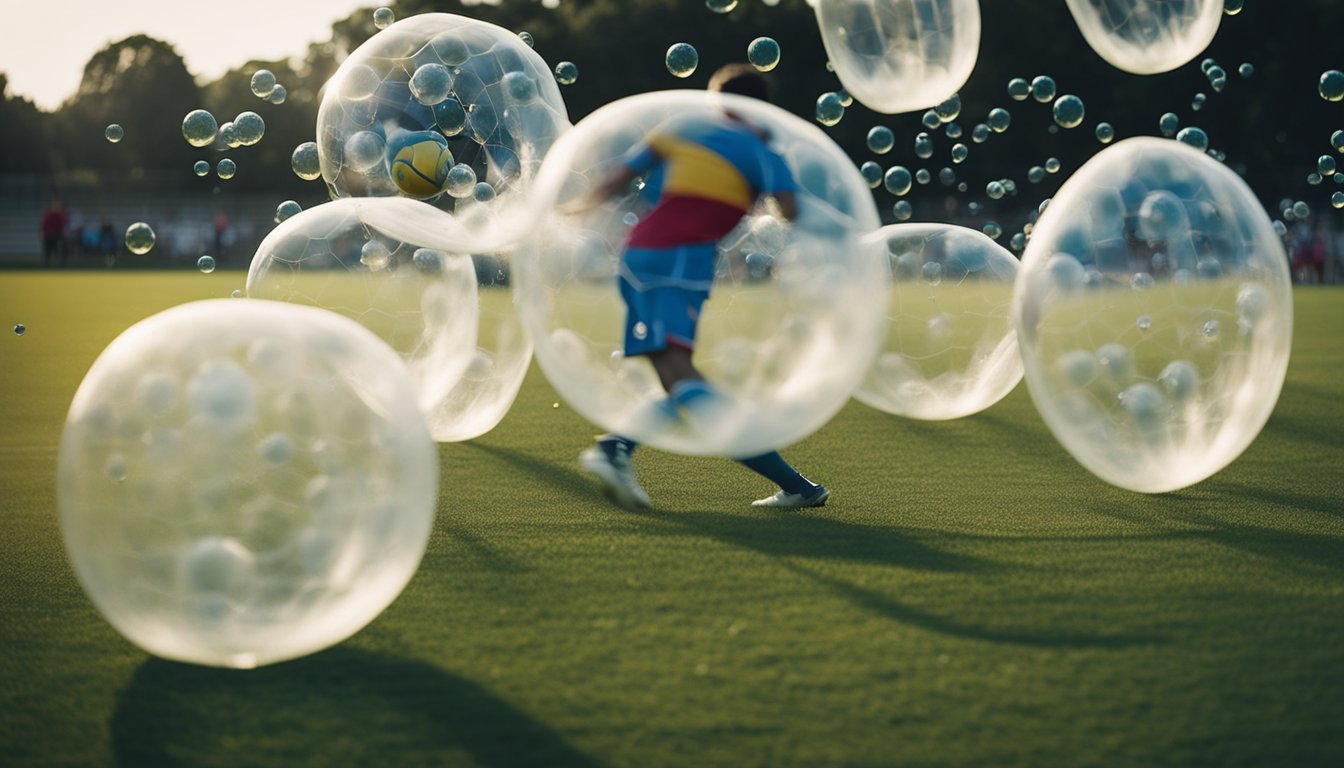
(1147, 36)
(872, 173)
(682, 59)
(897, 180)
(1331, 85)
(114, 133)
(902, 210)
(249, 128)
(950, 348)
(900, 55)
(1105, 133)
(446, 311)
(139, 238)
(763, 53)
(821, 300)
(383, 18)
(829, 108)
(278, 95)
(244, 482)
(200, 168)
(1069, 111)
(286, 209)
(263, 82)
(880, 139)
(1043, 88)
(1153, 228)
(1195, 137)
(199, 128)
(226, 168)
(502, 110)
(998, 119)
(305, 162)
(566, 73)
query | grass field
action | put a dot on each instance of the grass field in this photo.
(971, 596)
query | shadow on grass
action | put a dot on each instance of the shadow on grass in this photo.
(341, 707)
(567, 480)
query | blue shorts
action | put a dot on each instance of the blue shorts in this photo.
(664, 289)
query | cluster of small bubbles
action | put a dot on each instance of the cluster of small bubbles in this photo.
(829, 108)
(1325, 165)
(1194, 136)
(1052, 165)
(206, 264)
(902, 210)
(139, 238)
(682, 59)
(1168, 124)
(199, 128)
(527, 38)
(566, 73)
(249, 128)
(923, 146)
(263, 82)
(1246, 69)
(872, 173)
(200, 168)
(980, 133)
(947, 177)
(278, 95)
(1337, 200)
(1331, 86)
(1069, 111)
(995, 190)
(1197, 103)
(383, 17)
(897, 180)
(998, 119)
(305, 163)
(1019, 89)
(720, 6)
(1043, 88)
(1232, 7)
(880, 139)
(286, 209)
(113, 133)
(20, 329)
(949, 109)
(226, 168)
(763, 53)
(930, 120)
(1105, 133)
(1217, 79)
(960, 152)
(952, 130)
(1036, 174)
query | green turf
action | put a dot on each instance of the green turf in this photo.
(971, 596)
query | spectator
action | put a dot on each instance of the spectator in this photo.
(54, 222)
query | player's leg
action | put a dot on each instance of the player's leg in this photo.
(794, 489)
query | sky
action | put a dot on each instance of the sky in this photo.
(45, 54)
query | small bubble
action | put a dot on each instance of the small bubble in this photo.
(1069, 111)
(1193, 136)
(139, 238)
(959, 153)
(206, 264)
(1052, 165)
(1211, 329)
(199, 128)
(980, 133)
(383, 17)
(763, 53)
(1019, 89)
(113, 133)
(1043, 88)
(200, 168)
(20, 329)
(1105, 133)
(998, 119)
(1246, 69)
(682, 59)
(880, 139)
(902, 210)
(226, 168)
(829, 108)
(566, 73)
(286, 209)
(1144, 323)
(1331, 86)
(263, 82)
(1168, 124)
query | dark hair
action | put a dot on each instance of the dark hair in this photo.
(743, 80)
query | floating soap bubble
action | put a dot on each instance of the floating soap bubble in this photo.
(821, 300)
(953, 131)
(980, 133)
(499, 116)
(278, 95)
(1232, 7)
(1036, 174)
(1068, 111)
(720, 6)
(1043, 88)
(263, 82)
(950, 349)
(897, 180)
(931, 120)
(998, 119)
(1019, 89)
(1331, 86)
(881, 139)
(1198, 102)
(1147, 36)
(829, 108)
(139, 238)
(226, 168)
(1337, 140)
(286, 209)
(993, 231)
(461, 181)
(948, 109)
(114, 133)
(922, 176)
(923, 146)
(244, 482)
(947, 177)
(845, 99)
(1325, 165)
(682, 59)
(872, 173)
(960, 153)
(200, 168)
(900, 55)
(1168, 124)
(20, 329)
(420, 280)
(199, 128)
(902, 210)
(1195, 137)
(483, 192)
(1301, 210)
(566, 73)
(1105, 133)
(1246, 69)
(383, 18)
(1052, 165)
(995, 190)
(527, 38)
(249, 128)
(1153, 228)
(305, 162)
(763, 53)
(229, 136)
(1337, 200)
(206, 264)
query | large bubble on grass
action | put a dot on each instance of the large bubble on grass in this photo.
(900, 55)
(481, 87)
(1146, 37)
(243, 482)
(950, 348)
(1154, 313)
(420, 280)
(795, 313)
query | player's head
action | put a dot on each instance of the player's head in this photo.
(743, 80)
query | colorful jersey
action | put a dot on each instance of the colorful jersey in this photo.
(706, 177)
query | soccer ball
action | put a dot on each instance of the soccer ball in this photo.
(418, 162)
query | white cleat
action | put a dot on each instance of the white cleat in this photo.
(786, 500)
(617, 476)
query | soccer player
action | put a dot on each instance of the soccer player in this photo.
(709, 175)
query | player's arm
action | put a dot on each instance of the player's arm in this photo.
(616, 181)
